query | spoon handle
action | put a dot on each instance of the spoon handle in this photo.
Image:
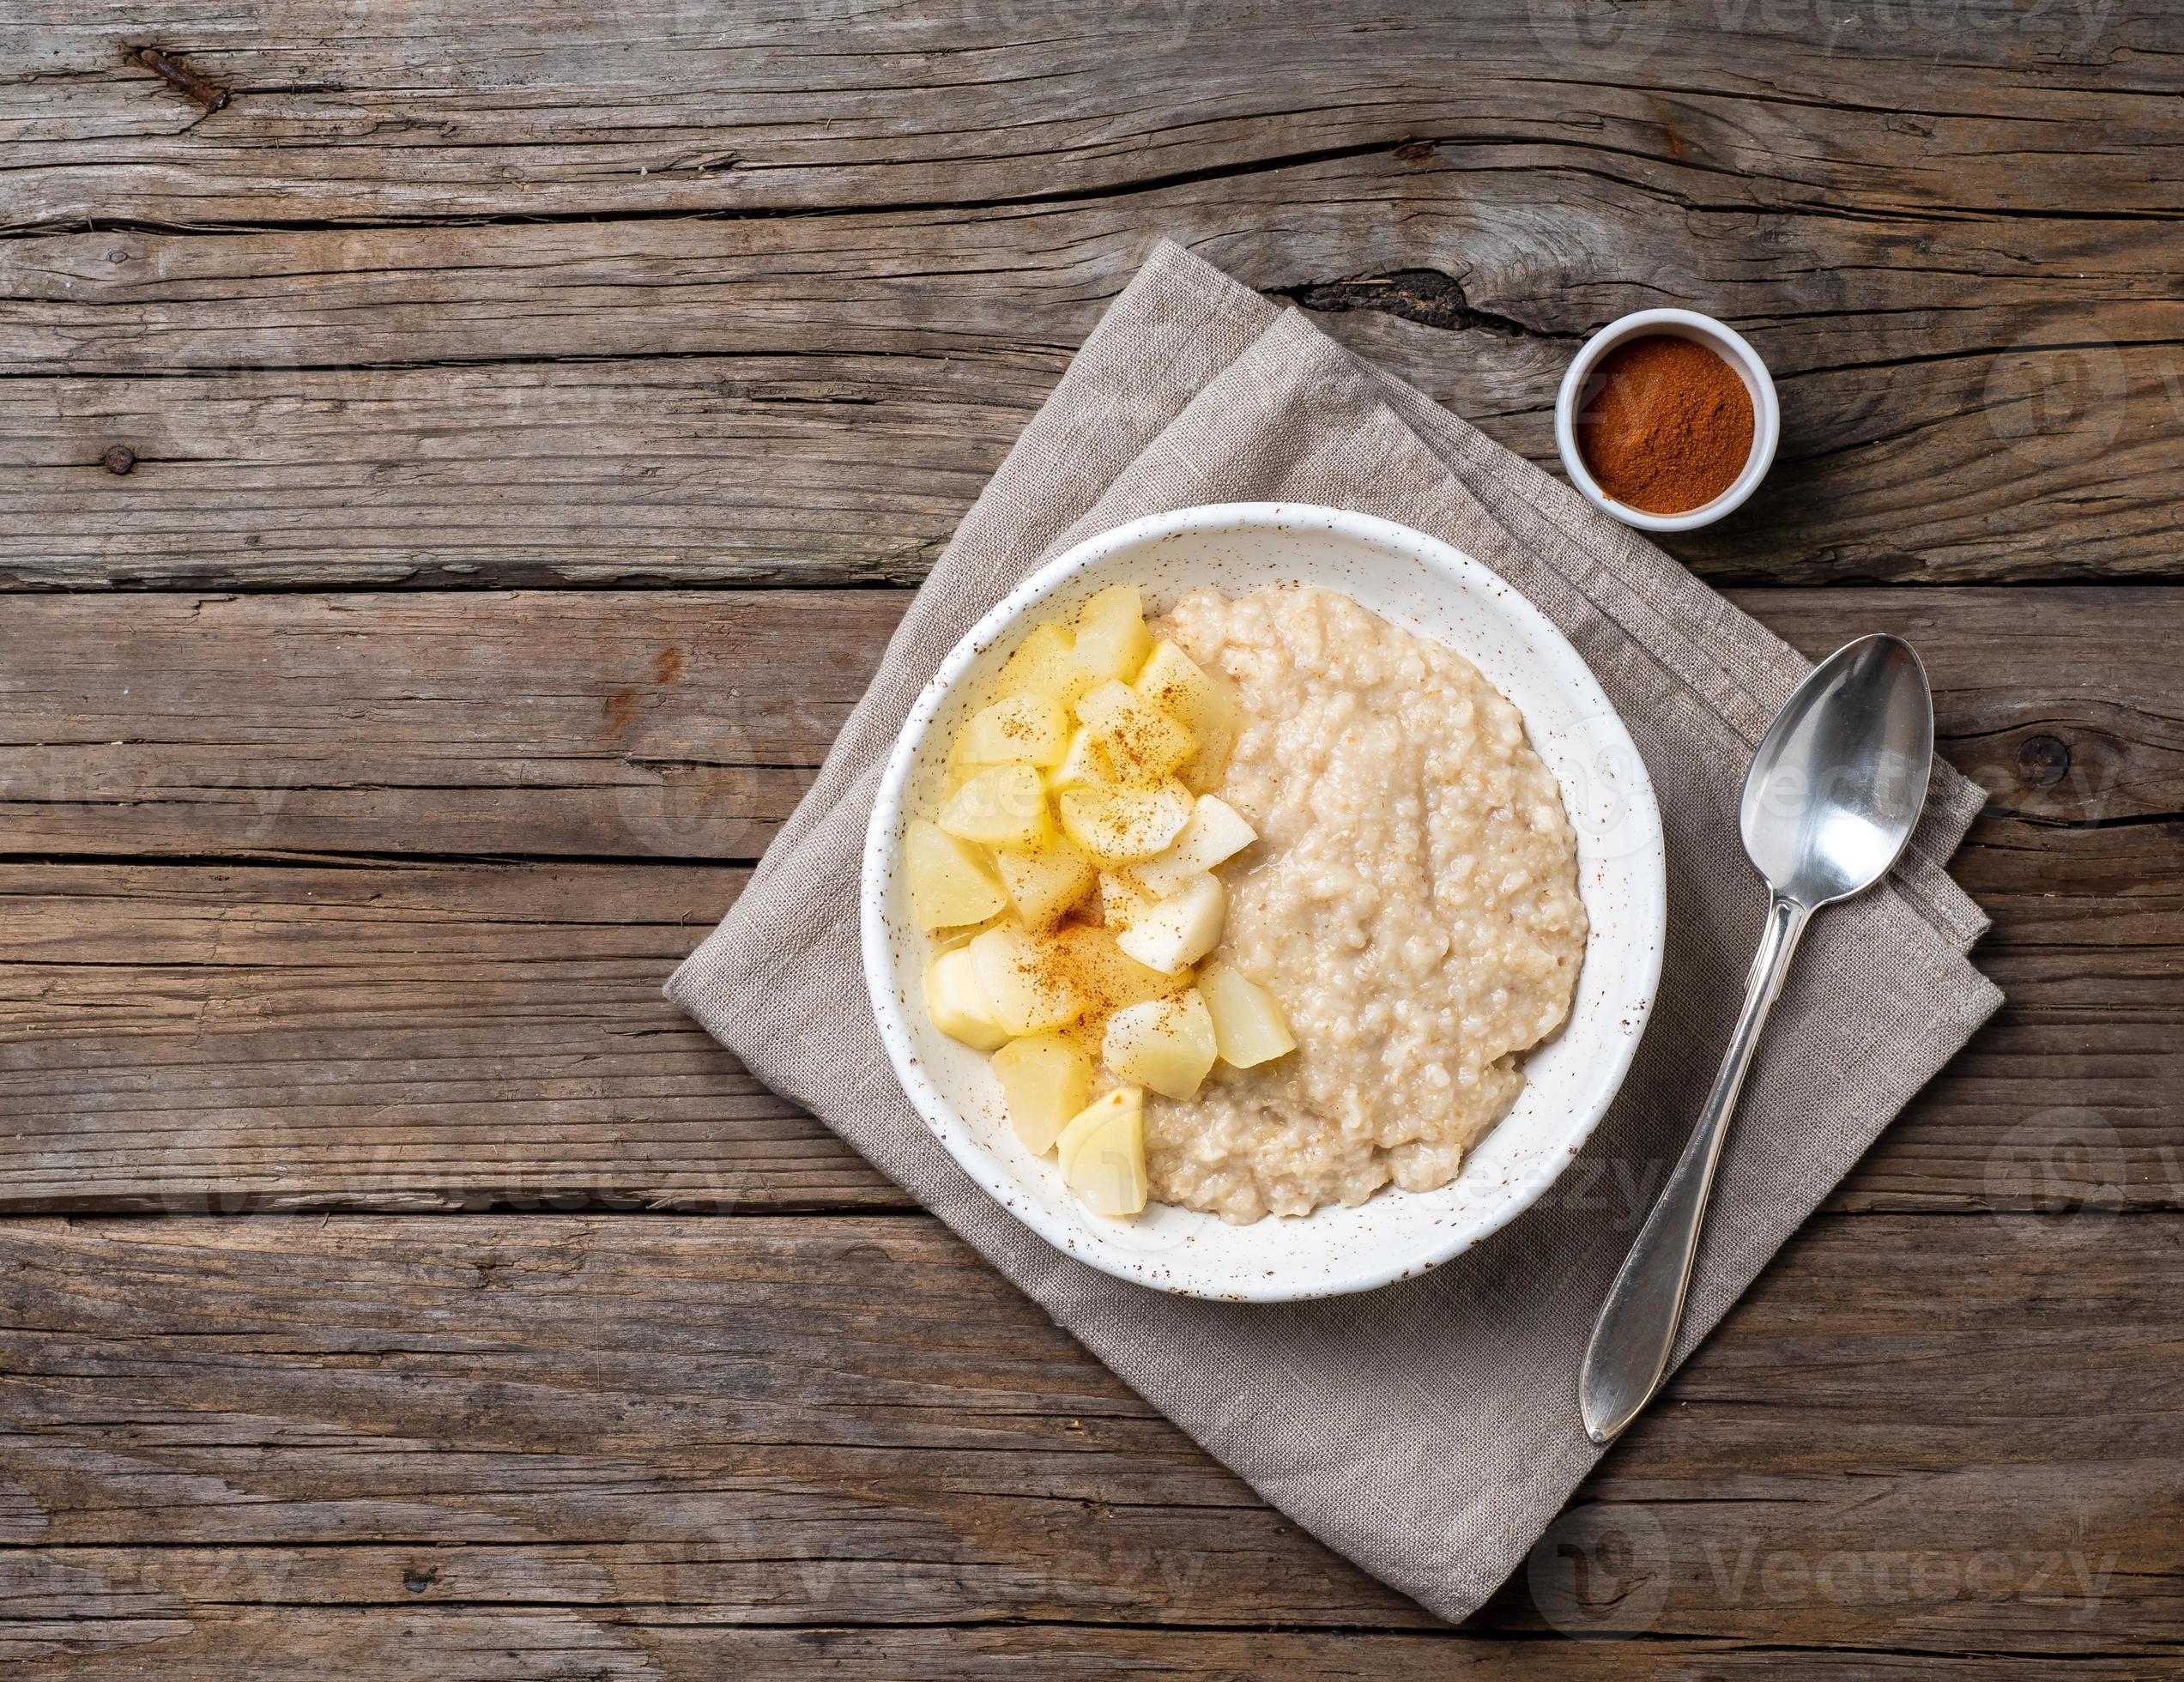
(1629, 1353)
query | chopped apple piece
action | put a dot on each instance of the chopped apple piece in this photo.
(1084, 763)
(1117, 825)
(1044, 885)
(1178, 685)
(1202, 772)
(1248, 1026)
(959, 770)
(1143, 743)
(1005, 806)
(1122, 902)
(1112, 641)
(949, 881)
(1030, 727)
(1180, 929)
(958, 1004)
(1046, 1080)
(1103, 1154)
(1215, 833)
(962, 934)
(1028, 988)
(1202, 701)
(1165, 1043)
(1044, 665)
(1107, 976)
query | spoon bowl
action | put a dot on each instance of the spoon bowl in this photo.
(1838, 781)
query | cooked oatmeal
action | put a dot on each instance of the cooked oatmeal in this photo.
(1411, 902)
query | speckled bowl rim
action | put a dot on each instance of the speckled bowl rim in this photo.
(892, 987)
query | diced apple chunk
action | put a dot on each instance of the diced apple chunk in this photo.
(1216, 833)
(1103, 1154)
(1165, 1043)
(1084, 763)
(1005, 806)
(1118, 825)
(1202, 772)
(1030, 727)
(1122, 901)
(1046, 884)
(1107, 976)
(1044, 665)
(949, 881)
(1248, 1025)
(1178, 930)
(1111, 640)
(1143, 743)
(1046, 1080)
(958, 1004)
(1176, 683)
(1028, 989)
(1202, 701)
(959, 770)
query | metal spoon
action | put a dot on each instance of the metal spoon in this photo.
(1833, 793)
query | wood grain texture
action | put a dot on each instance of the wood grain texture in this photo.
(1821, 290)
(822, 468)
(615, 724)
(1974, 291)
(267, 1437)
(683, 107)
(686, 725)
(762, 470)
(606, 415)
(541, 1644)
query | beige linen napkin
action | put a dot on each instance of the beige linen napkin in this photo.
(1429, 1430)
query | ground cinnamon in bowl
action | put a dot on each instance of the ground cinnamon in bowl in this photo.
(1668, 428)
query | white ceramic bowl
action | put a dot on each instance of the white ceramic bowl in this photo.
(1579, 385)
(1429, 588)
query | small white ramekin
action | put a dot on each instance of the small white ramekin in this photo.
(1578, 387)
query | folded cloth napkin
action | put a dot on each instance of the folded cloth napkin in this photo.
(1429, 1430)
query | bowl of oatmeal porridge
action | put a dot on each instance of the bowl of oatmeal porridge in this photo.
(1452, 889)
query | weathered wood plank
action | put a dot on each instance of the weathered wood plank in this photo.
(686, 725)
(657, 107)
(965, 281)
(765, 470)
(543, 1644)
(408, 1037)
(2032, 366)
(621, 723)
(421, 1036)
(629, 1437)
(1825, 291)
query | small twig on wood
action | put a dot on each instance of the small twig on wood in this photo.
(206, 93)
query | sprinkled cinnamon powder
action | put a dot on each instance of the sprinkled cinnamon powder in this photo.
(1670, 427)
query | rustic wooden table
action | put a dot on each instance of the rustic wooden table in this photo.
(457, 483)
